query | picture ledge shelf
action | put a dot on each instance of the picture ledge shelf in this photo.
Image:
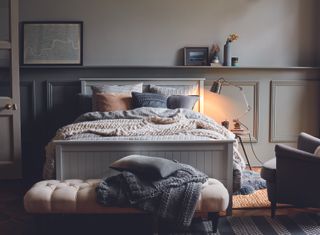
(164, 67)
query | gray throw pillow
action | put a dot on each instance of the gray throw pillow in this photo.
(182, 101)
(148, 100)
(149, 166)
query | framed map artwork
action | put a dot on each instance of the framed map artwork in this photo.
(52, 43)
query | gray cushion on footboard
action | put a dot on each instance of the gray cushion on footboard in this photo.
(155, 167)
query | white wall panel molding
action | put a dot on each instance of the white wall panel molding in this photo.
(292, 109)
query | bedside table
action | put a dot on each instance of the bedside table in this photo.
(238, 134)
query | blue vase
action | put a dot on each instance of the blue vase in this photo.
(227, 54)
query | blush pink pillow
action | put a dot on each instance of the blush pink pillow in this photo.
(108, 102)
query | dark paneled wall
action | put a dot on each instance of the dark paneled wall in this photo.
(45, 106)
(49, 101)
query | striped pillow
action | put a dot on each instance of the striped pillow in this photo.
(168, 91)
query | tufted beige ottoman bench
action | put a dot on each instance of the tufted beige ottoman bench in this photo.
(79, 197)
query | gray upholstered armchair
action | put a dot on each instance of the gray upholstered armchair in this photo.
(293, 176)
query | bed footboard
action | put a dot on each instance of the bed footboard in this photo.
(91, 159)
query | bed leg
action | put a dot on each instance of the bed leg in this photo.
(229, 209)
(214, 218)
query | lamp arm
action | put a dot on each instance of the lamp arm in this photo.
(248, 107)
(225, 82)
(222, 81)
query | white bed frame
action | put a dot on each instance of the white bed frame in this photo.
(91, 159)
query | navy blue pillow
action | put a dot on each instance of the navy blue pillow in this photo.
(148, 100)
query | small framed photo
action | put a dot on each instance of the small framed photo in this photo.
(52, 43)
(196, 56)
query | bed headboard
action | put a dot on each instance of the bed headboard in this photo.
(186, 83)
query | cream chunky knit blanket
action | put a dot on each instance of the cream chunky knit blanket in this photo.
(155, 125)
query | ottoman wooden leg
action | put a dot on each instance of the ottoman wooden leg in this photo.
(214, 217)
(155, 225)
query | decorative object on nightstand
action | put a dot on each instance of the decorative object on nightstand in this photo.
(225, 123)
(227, 49)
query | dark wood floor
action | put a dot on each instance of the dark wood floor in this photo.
(15, 221)
(266, 212)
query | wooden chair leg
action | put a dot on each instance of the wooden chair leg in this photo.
(155, 225)
(214, 217)
(273, 208)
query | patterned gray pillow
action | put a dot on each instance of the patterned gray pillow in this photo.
(150, 166)
(168, 91)
(148, 100)
(182, 101)
(118, 88)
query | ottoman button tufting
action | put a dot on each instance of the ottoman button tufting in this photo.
(50, 185)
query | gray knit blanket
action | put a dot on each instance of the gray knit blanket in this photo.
(173, 198)
(141, 122)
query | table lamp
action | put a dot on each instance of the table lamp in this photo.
(216, 88)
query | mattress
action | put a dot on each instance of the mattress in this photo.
(94, 137)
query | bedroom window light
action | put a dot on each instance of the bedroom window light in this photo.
(216, 88)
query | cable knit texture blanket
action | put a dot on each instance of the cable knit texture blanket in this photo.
(141, 122)
(173, 198)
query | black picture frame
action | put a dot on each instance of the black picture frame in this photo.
(40, 40)
(196, 56)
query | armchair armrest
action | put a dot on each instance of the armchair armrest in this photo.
(307, 142)
(297, 176)
(284, 151)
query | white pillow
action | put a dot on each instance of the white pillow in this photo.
(317, 151)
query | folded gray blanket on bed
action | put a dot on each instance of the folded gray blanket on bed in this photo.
(173, 198)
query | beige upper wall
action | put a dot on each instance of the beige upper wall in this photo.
(152, 32)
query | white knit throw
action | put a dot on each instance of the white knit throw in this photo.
(152, 126)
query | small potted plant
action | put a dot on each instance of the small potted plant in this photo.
(215, 49)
